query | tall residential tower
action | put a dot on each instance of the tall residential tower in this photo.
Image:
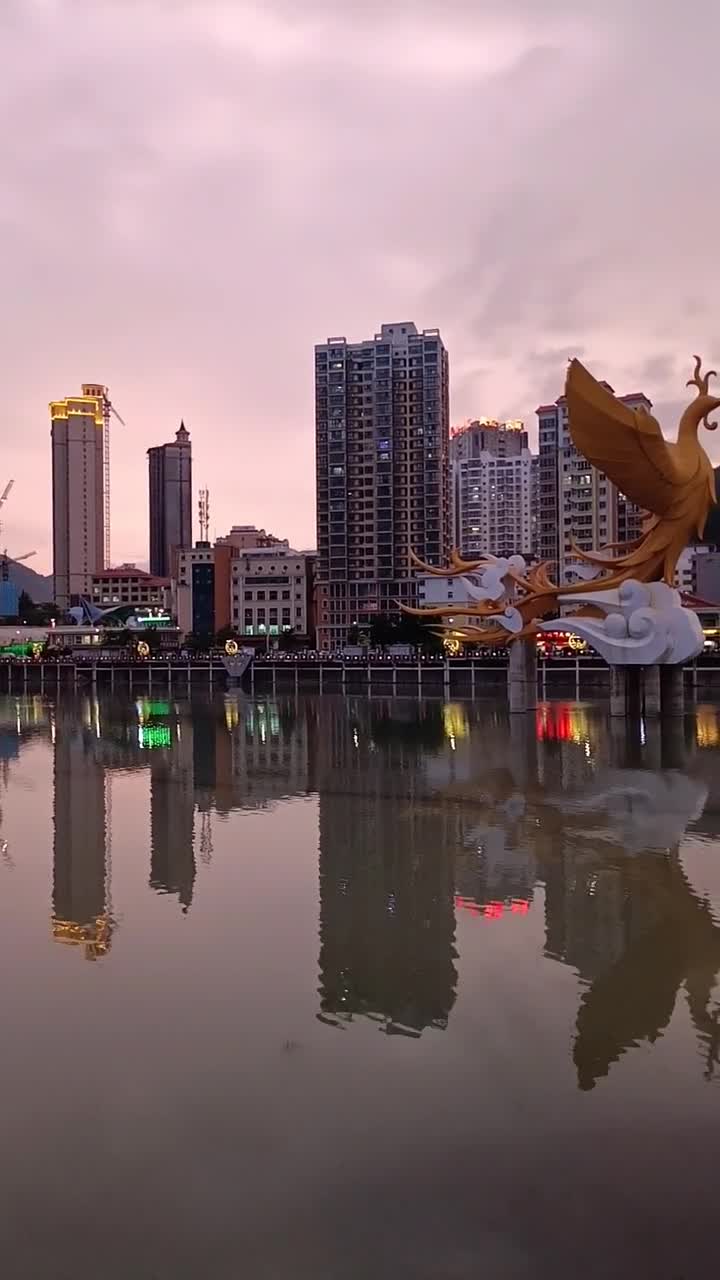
(382, 424)
(77, 433)
(491, 482)
(170, 474)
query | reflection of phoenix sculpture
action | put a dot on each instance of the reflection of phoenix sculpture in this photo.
(672, 481)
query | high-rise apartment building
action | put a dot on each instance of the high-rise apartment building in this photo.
(577, 503)
(80, 898)
(491, 484)
(382, 425)
(77, 430)
(170, 476)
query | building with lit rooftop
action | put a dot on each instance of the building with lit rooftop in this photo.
(78, 430)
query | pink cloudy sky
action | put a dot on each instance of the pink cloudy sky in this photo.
(196, 191)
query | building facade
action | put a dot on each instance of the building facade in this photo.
(577, 503)
(491, 478)
(195, 590)
(382, 427)
(170, 486)
(271, 591)
(246, 536)
(77, 430)
(129, 585)
(690, 571)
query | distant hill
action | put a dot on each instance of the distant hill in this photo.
(39, 588)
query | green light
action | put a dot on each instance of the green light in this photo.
(158, 620)
(147, 708)
(151, 736)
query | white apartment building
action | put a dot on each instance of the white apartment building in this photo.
(686, 573)
(492, 481)
(271, 591)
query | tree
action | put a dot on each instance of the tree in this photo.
(287, 641)
(407, 629)
(226, 633)
(196, 643)
(26, 607)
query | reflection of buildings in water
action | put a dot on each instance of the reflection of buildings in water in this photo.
(81, 910)
(172, 814)
(494, 872)
(386, 886)
(514, 805)
(618, 907)
(267, 756)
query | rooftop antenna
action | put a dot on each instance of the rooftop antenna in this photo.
(204, 514)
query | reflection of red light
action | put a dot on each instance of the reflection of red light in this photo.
(493, 910)
(490, 910)
(553, 724)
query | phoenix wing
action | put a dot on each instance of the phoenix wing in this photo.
(627, 444)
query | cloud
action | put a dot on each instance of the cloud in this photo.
(196, 191)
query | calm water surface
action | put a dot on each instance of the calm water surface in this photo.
(337, 988)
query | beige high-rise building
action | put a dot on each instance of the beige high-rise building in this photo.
(77, 432)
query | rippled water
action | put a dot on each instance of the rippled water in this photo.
(341, 988)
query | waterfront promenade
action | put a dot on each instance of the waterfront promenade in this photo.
(581, 676)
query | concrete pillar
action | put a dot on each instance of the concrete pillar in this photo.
(446, 676)
(522, 676)
(651, 691)
(672, 690)
(618, 691)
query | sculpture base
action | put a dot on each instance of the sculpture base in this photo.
(522, 678)
(646, 691)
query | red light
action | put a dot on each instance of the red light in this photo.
(493, 910)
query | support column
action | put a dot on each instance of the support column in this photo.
(522, 676)
(672, 690)
(618, 691)
(651, 691)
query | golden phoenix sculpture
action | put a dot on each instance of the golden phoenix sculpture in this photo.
(673, 482)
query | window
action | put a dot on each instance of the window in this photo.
(261, 595)
(248, 595)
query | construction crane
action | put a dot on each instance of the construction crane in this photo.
(101, 393)
(5, 563)
(5, 493)
(4, 559)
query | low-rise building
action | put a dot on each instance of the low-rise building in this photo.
(271, 592)
(195, 590)
(129, 585)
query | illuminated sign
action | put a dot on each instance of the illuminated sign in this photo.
(154, 620)
(152, 736)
